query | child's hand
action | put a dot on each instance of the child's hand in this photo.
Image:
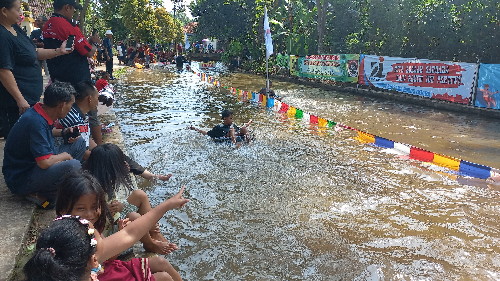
(192, 128)
(115, 207)
(177, 200)
(123, 223)
(248, 123)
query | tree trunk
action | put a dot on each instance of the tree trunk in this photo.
(81, 16)
(321, 7)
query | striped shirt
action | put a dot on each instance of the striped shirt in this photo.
(76, 118)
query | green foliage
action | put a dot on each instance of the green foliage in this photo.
(234, 49)
(169, 30)
(142, 20)
(463, 30)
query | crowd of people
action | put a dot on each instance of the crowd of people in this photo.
(54, 154)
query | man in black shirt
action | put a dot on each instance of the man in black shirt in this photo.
(179, 62)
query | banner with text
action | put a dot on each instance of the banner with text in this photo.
(488, 86)
(342, 68)
(451, 81)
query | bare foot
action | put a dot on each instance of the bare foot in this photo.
(156, 234)
(164, 177)
(159, 247)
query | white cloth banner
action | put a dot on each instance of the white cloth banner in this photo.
(267, 35)
(451, 81)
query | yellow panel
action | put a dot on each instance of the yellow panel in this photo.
(322, 122)
(365, 138)
(291, 111)
(447, 162)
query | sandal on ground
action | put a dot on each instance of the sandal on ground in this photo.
(40, 202)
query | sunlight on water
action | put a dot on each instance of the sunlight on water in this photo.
(301, 203)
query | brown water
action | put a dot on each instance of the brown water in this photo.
(304, 204)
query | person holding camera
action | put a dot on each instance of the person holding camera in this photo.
(21, 81)
(32, 164)
(76, 122)
(73, 67)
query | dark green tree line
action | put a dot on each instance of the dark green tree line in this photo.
(457, 30)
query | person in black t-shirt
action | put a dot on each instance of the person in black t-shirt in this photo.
(179, 62)
(227, 132)
(21, 82)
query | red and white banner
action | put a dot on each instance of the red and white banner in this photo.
(451, 81)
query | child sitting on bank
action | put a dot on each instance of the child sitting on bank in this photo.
(103, 80)
(227, 132)
(71, 249)
(108, 164)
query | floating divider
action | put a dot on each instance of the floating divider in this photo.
(454, 166)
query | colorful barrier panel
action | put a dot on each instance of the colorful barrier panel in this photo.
(450, 81)
(343, 68)
(488, 86)
(455, 166)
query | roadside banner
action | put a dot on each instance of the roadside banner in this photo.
(488, 86)
(450, 81)
(342, 67)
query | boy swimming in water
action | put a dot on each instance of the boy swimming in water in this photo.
(227, 131)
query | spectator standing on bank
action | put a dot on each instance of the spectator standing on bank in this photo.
(74, 67)
(121, 52)
(36, 36)
(21, 82)
(107, 43)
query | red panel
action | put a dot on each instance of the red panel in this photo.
(421, 155)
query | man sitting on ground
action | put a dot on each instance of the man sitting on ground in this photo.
(32, 165)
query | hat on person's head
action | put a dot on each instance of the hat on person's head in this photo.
(58, 4)
(108, 32)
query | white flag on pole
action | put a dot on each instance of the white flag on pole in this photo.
(267, 35)
(186, 42)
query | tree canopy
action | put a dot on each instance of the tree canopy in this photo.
(457, 30)
(137, 20)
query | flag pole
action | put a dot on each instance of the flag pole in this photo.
(269, 46)
(267, 74)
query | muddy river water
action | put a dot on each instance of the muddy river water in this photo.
(305, 204)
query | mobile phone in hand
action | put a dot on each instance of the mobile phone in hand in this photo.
(69, 42)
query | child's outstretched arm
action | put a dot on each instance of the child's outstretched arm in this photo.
(123, 239)
(198, 130)
(247, 124)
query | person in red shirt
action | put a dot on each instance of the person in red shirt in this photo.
(74, 67)
(102, 82)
